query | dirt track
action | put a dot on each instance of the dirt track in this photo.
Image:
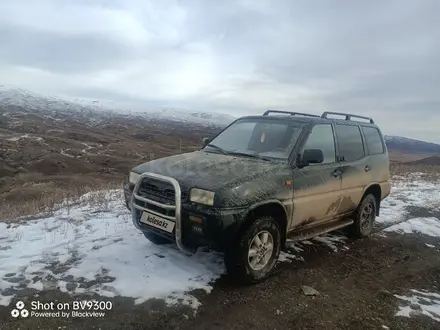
(356, 286)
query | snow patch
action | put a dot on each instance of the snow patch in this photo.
(425, 226)
(420, 303)
(25, 136)
(406, 191)
(87, 249)
(289, 257)
(331, 241)
(64, 153)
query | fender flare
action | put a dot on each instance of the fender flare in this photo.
(266, 202)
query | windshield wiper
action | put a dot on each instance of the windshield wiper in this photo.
(250, 155)
(223, 151)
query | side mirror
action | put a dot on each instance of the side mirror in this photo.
(311, 156)
(205, 141)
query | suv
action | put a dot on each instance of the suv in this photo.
(260, 179)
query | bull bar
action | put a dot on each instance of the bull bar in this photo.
(177, 207)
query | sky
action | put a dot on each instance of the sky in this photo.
(374, 58)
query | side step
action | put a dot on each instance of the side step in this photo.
(301, 234)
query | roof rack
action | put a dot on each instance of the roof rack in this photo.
(290, 113)
(348, 116)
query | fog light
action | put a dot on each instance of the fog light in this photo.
(195, 219)
(197, 229)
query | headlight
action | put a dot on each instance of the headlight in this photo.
(201, 196)
(133, 177)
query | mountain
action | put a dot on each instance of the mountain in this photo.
(11, 98)
(96, 112)
(410, 146)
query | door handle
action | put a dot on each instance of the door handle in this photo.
(337, 173)
(367, 168)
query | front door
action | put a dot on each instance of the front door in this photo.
(317, 187)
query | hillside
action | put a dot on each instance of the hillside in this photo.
(11, 98)
(47, 154)
(411, 146)
(48, 144)
(430, 161)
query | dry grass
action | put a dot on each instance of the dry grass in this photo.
(45, 202)
(42, 198)
(429, 172)
(400, 157)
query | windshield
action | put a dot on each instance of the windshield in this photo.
(265, 138)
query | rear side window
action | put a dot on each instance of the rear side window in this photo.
(374, 140)
(351, 147)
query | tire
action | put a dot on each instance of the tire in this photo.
(155, 239)
(364, 217)
(237, 261)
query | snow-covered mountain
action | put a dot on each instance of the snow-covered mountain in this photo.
(17, 97)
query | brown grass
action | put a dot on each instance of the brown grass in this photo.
(43, 203)
(40, 195)
(399, 157)
(429, 172)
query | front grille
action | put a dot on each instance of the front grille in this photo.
(159, 191)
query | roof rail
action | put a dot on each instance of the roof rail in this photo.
(348, 116)
(290, 113)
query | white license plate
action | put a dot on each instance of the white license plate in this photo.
(157, 222)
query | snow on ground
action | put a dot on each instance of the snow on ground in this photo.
(410, 190)
(25, 136)
(420, 303)
(92, 247)
(82, 244)
(425, 226)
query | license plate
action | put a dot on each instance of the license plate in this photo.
(157, 222)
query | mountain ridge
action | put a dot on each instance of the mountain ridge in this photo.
(95, 111)
(11, 96)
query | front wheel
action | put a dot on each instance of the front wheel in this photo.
(253, 256)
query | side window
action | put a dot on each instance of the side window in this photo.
(322, 138)
(374, 140)
(350, 142)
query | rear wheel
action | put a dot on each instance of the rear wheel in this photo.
(155, 239)
(253, 256)
(364, 217)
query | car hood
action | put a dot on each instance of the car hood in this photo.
(209, 170)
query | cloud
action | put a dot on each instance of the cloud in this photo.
(375, 58)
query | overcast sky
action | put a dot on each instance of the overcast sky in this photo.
(378, 58)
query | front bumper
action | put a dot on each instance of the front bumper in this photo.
(198, 225)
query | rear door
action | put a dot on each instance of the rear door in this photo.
(354, 162)
(317, 187)
(378, 161)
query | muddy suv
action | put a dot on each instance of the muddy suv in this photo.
(260, 179)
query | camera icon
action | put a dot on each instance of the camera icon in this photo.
(19, 310)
